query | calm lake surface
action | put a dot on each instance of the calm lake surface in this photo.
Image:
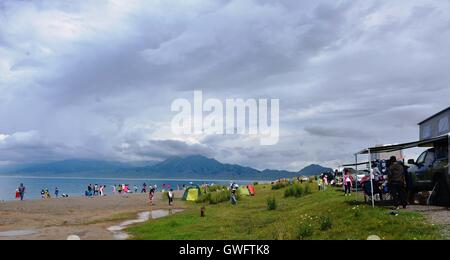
(76, 187)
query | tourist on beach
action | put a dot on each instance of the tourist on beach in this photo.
(144, 188)
(17, 194)
(96, 190)
(102, 191)
(136, 189)
(89, 189)
(151, 194)
(21, 191)
(56, 192)
(348, 183)
(397, 183)
(170, 195)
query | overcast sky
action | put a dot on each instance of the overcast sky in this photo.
(95, 79)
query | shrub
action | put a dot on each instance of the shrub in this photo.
(289, 192)
(271, 203)
(305, 231)
(220, 196)
(307, 190)
(280, 185)
(297, 190)
(255, 183)
(326, 224)
(215, 197)
(215, 188)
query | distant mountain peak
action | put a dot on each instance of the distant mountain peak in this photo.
(192, 166)
(313, 169)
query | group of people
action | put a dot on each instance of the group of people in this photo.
(95, 190)
(397, 182)
(45, 194)
(322, 182)
(20, 192)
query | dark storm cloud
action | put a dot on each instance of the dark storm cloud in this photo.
(96, 78)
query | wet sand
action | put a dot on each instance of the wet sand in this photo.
(88, 218)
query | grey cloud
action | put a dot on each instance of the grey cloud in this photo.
(336, 132)
(348, 74)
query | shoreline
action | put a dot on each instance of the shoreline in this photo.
(127, 179)
(56, 219)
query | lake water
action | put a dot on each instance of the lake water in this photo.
(76, 187)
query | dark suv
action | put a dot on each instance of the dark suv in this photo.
(430, 171)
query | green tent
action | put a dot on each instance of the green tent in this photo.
(192, 193)
(243, 190)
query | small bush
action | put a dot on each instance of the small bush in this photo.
(305, 231)
(326, 224)
(297, 190)
(255, 183)
(215, 188)
(215, 197)
(307, 190)
(271, 203)
(289, 192)
(280, 185)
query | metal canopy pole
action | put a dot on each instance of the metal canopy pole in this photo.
(356, 193)
(370, 176)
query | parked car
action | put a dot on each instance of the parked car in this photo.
(430, 172)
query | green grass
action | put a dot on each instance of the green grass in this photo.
(320, 215)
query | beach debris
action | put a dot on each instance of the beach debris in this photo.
(202, 212)
(373, 237)
(393, 213)
(73, 238)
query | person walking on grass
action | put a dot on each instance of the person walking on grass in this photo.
(319, 183)
(170, 195)
(348, 183)
(397, 183)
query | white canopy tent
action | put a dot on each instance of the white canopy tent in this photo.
(393, 148)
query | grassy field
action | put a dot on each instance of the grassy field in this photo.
(320, 215)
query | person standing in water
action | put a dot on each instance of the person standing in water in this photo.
(21, 191)
(56, 192)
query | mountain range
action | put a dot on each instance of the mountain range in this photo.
(188, 167)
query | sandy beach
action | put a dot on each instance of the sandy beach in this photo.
(88, 218)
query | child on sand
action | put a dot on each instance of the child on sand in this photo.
(170, 195)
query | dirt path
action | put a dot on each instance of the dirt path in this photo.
(435, 215)
(89, 219)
